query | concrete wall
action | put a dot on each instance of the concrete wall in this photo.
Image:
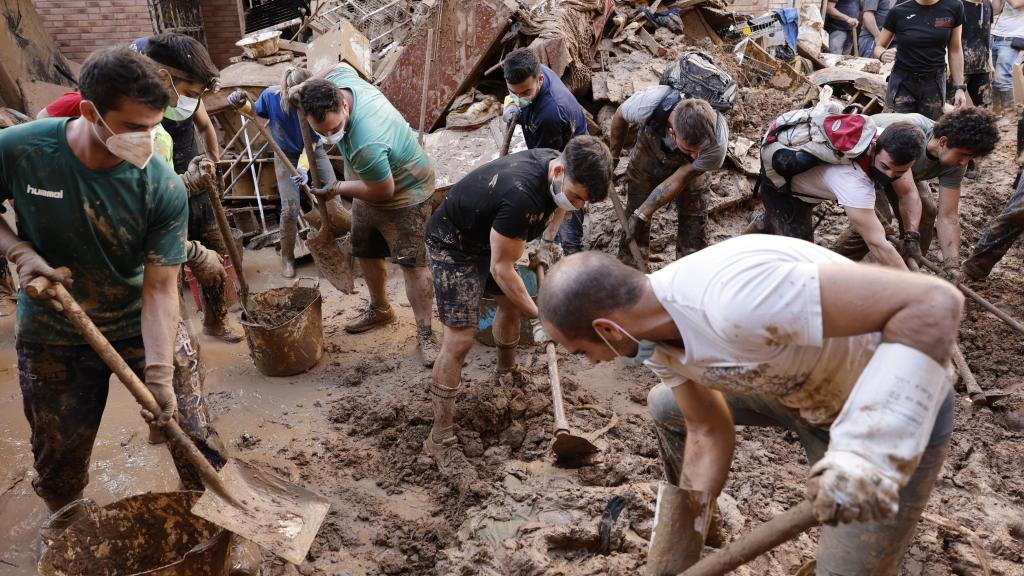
(81, 26)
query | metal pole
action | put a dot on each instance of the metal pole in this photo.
(255, 177)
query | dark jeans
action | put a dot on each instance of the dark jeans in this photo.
(998, 237)
(202, 226)
(64, 392)
(921, 92)
(570, 234)
(856, 549)
(784, 214)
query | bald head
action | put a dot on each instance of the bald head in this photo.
(584, 287)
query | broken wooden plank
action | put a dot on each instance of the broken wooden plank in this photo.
(467, 34)
(650, 43)
(299, 47)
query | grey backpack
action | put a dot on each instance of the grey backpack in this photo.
(695, 75)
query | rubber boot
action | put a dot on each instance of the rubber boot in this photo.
(215, 315)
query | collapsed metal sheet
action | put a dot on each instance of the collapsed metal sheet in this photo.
(463, 37)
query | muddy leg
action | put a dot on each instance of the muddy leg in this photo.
(506, 334)
(441, 443)
(997, 238)
(692, 208)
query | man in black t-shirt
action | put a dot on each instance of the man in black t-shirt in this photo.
(474, 239)
(977, 40)
(924, 30)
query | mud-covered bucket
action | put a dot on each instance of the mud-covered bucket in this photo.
(151, 534)
(488, 307)
(286, 331)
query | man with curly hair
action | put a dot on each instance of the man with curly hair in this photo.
(952, 142)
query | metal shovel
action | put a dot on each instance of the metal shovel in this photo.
(251, 502)
(567, 446)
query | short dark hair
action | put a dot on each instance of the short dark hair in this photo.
(114, 74)
(520, 65)
(969, 128)
(903, 141)
(184, 53)
(589, 163)
(694, 121)
(586, 286)
(319, 98)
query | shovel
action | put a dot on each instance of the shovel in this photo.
(567, 446)
(253, 503)
(332, 263)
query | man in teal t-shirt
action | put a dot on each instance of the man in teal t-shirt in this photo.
(391, 189)
(91, 199)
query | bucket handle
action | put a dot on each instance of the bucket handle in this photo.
(297, 281)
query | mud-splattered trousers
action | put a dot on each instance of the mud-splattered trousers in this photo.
(650, 165)
(202, 226)
(923, 92)
(64, 391)
(857, 549)
(289, 192)
(998, 237)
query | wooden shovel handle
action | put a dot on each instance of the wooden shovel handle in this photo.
(1009, 320)
(634, 249)
(138, 390)
(782, 528)
(561, 423)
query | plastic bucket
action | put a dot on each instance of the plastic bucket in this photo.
(488, 307)
(153, 534)
(286, 333)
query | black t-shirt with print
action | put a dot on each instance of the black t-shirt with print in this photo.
(977, 33)
(923, 32)
(510, 195)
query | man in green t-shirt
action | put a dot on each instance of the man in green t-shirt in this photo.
(391, 189)
(91, 199)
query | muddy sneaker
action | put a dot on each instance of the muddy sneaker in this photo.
(428, 345)
(288, 268)
(371, 318)
(448, 457)
(224, 331)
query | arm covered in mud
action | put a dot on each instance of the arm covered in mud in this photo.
(618, 134)
(710, 438)
(909, 201)
(947, 227)
(865, 222)
(505, 252)
(667, 191)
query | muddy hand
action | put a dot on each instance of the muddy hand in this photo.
(31, 266)
(159, 379)
(205, 264)
(325, 192)
(911, 249)
(540, 335)
(239, 100)
(845, 487)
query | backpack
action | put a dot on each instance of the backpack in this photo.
(827, 131)
(695, 75)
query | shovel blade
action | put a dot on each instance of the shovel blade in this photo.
(570, 447)
(331, 261)
(276, 514)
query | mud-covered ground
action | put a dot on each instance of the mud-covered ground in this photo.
(353, 427)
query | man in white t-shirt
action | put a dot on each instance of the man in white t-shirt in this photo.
(768, 330)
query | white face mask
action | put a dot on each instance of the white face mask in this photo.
(645, 348)
(561, 200)
(521, 102)
(333, 138)
(135, 148)
(185, 108)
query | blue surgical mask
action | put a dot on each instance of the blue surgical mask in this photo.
(644, 348)
(184, 109)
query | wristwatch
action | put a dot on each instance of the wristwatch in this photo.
(960, 87)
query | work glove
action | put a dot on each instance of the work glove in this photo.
(301, 179)
(845, 487)
(911, 249)
(205, 264)
(509, 113)
(159, 381)
(30, 266)
(200, 175)
(636, 226)
(540, 335)
(326, 192)
(238, 99)
(544, 253)
(951, 270)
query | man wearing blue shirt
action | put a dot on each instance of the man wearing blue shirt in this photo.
(550, 117)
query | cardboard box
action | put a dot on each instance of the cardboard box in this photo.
(341, 44)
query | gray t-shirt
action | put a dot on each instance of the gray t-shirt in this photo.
(926, 167)
(881, 9)
(639, 107)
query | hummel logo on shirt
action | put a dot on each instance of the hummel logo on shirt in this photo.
(59, 195)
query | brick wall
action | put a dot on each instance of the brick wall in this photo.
(223, 29)
(81, 26)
